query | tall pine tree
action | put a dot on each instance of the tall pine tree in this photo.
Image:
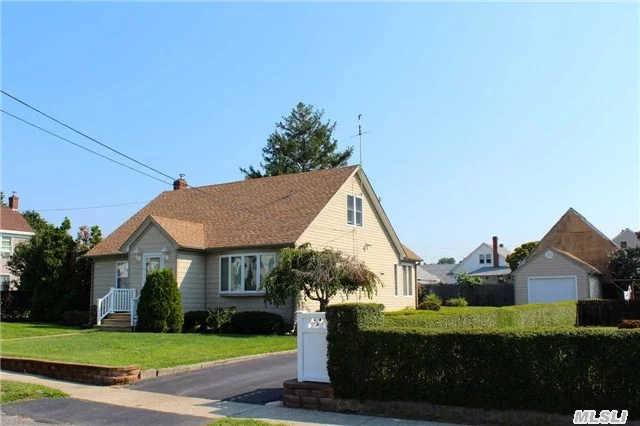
(302, 142)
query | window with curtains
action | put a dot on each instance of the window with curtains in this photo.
(354, 210)
(122, 274)
(245, 273)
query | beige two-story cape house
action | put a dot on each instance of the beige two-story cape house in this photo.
(222, 240)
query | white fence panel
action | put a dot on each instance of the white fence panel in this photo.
(312, 347)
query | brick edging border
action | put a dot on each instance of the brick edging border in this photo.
(104, 375)
(168, 371)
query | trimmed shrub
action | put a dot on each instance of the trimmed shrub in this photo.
(433, 298)
(542, 370)
(457, 301)
(14, 305)
(561, 314)
(75, 318)
(195, 321)
(256, 322)
(606, 312)
(429, 305)
(160, 306)
(219, 320)
(629, 324)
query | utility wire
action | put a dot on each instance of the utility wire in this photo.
(90, 208)
(82, 147)
(85, 135)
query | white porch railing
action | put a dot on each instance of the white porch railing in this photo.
(312, 347)
(117, 300)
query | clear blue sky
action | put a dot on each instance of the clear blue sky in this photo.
(487, 119)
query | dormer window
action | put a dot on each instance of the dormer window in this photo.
(354, 210)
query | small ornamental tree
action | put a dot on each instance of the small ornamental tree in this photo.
(463, 278)
(520, 253)
(318, 275)
(160, 306)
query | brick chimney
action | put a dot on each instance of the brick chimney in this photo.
(180, 183)
(13, 201)
(496, 261)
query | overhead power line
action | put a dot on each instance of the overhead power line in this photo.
(85, 135)
(91, 207)
(83, 147)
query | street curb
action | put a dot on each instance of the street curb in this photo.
(169, 371)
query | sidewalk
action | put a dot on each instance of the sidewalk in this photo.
(207, 408)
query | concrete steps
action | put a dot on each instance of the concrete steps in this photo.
(116, 322)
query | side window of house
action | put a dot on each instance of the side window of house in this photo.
(395, 278)
(122, 274)
(6, 246)
(410, 283)
(482, 258)
(487, 258)
(623, 244)
(354, 210)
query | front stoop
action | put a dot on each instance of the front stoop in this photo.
(116, 322)
(310, 395)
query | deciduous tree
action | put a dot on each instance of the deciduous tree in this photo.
(446, 261)
(520, 253)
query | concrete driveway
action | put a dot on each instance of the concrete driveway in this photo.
(257, 381)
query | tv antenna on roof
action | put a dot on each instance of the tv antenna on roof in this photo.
(360, 133)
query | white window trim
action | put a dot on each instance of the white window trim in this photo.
(10, 244)
(354, 224)
(116, 278)
(145, 256)
(395, 280)
(259, 284)
(399, 280)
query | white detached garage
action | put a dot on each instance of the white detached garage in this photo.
(554, 275)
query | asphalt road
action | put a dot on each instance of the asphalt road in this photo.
(75, 412)
(255, 381)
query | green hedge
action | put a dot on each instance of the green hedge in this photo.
(536, 315)
(553, 370)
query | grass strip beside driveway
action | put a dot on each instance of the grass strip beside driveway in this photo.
(148, 350)
(11, 391)
(14, 330)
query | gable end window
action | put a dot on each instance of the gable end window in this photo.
(623, 244)
(354, 210)
(245, 273)
(482, 258)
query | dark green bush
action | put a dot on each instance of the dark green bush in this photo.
(561, 314)
(219, 320)
(195, 321)
(256, 322)
(75, 318)
(553, 370)
(14, 305)
(629, 324)
(457, 301)
(429, 305)
(160, 306)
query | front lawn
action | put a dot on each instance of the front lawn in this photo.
(149, 350)
(11, 391)
(12, 330)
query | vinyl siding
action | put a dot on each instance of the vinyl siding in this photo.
(152, 240)
(557, 266)
(369, 243)
(104, 275)
(241, 302)
(15, 240)
(190, 274)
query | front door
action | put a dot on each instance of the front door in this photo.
(151, 262)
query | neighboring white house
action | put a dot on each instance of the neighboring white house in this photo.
(626, 239)
(13, 231)
(487, 262)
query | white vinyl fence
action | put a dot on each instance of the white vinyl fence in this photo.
(312, 347)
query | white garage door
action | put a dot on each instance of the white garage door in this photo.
(552, 289)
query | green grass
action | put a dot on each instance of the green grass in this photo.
(16, 391)
(148, 350)
(12, 330)
(242, 422)
(560, 314)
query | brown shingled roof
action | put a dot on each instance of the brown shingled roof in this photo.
(255, 212)
(12, 220)
(411, 255)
